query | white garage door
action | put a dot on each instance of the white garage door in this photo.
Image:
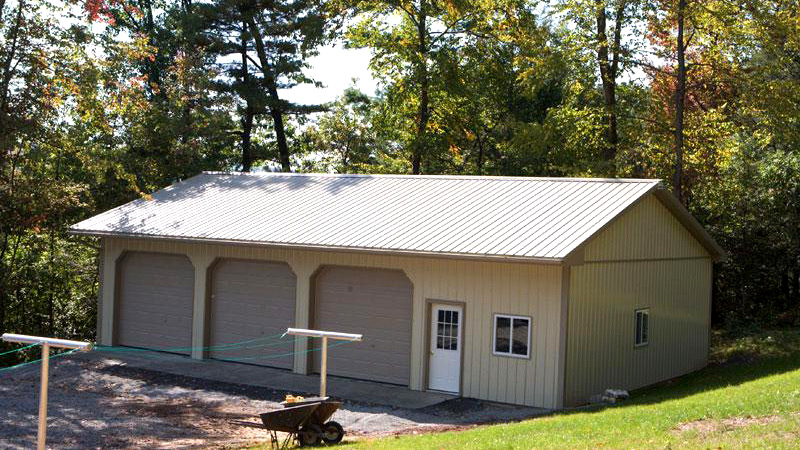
(251, 302)
(372, 302)
(154, 308)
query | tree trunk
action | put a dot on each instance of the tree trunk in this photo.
(275, 110)
(423, 113)
(247, 118)
(608, 76)
(280, 134)
(3, 275)
(680, 101)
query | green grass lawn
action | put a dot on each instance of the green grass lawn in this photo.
(748, 398)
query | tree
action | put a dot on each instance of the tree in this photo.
(343, 139)
(271, 41)
(590, 19)
(411, 57)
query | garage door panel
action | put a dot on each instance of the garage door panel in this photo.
(252, 300)
(372, 302)
(155, 302)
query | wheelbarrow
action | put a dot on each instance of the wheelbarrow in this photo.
(306, 422)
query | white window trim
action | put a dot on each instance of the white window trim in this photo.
(510, 354)
(636, 312)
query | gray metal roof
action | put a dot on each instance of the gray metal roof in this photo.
(490, 217)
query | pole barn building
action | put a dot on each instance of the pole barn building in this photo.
(531, 291)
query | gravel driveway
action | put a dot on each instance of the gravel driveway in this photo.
(99, 404)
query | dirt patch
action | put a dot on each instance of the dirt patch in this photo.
(708, 426)
(102, 404)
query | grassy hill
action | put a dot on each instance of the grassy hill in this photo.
(749, 397)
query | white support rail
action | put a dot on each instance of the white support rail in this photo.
(325, 335)
(46, 343)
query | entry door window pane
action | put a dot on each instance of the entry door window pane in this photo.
(447, 330)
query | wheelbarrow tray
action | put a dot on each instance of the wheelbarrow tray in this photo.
(290, 419)
(322, 413)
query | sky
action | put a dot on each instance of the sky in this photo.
(335, 67)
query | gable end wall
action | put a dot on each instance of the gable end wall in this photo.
(646, 259)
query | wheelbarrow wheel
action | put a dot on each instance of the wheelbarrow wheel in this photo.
(310, 435)
(332, 432)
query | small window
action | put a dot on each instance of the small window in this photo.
(512, 335)
(642, 327)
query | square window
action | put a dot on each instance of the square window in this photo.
(512, 335)
(642, 330)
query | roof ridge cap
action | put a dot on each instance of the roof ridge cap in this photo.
(440, 177)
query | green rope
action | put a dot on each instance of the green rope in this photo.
(283, 354)
(4, 369)
(232, 345)
(19, 349)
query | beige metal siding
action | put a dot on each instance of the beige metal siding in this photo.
(601, 352)
(646, 259)
(375, 303)
(155, 301)
(251, 300)
(484, 287)
(647, 231)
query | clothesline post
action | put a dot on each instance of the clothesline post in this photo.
(46, 343)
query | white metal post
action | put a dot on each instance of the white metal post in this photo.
(323, 370)
(43, 397)
(46, 343)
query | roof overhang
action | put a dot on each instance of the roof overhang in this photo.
(571, 260)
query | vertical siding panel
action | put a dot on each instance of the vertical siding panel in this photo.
(539, 348)
(518, 377)
(486, 334)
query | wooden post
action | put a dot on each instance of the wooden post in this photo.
(43, 397)
(323, 370)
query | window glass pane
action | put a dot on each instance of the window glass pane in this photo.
(638, 327)
(502, 337)
(520, 336)
(645, 317)
(455, 316)
(439, 342)
(439, 329)
(441, 316)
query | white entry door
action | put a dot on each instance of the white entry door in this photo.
(444, 371)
